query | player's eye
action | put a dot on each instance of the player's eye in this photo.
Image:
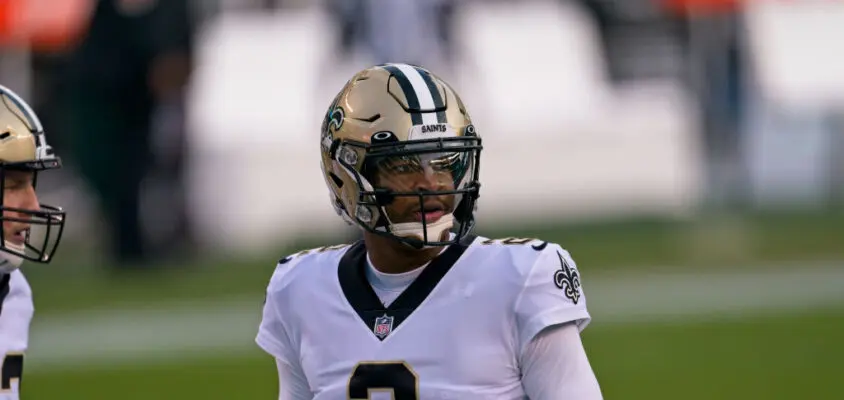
(401, 165)
(15, 184)
(446, 162)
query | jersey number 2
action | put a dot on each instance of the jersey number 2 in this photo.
(394, 377)
(12, 370)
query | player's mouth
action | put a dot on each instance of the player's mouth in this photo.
(432, 213)
(18, 236)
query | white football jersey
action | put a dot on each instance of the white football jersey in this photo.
(16, 311)
(455, 333)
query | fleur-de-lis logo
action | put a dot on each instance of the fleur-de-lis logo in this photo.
(335, 118)
(332, 122)
(567, 279)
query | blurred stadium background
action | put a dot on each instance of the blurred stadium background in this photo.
(687, 152)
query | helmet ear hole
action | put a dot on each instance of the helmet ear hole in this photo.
(336, 179)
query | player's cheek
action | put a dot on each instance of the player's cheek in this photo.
(446, 182)
(397, 209)
(7, 228)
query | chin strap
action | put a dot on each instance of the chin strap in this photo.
(416, 230)
(8, 261)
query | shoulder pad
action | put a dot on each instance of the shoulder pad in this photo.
(535, 244)
(316, 250)
(286, 264)
(523, 253)
(517, 250)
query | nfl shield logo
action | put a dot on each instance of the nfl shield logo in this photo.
(383, 326)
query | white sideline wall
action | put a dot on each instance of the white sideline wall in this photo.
(557, 140)
(797, 53)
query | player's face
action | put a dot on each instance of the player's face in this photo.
(418, 173)
(18, 192)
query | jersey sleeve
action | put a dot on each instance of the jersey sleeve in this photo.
(272, 335)
(292, 384)
(552, 294)
(15, 317)
(277, 334)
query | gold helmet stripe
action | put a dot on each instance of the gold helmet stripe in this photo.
(423, 99)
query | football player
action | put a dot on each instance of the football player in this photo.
(31, 231)
(420, 308)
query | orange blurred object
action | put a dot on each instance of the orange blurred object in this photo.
(44, 25)
(701, 7)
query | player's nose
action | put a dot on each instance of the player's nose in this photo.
(30, 200)
(428, 180)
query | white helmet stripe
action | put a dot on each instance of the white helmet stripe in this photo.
(31, 119)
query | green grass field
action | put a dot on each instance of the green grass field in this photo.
(746, 241)
(766, 358)
(787, 355)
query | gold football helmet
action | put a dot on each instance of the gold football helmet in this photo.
(400, 156)
(23, 147)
